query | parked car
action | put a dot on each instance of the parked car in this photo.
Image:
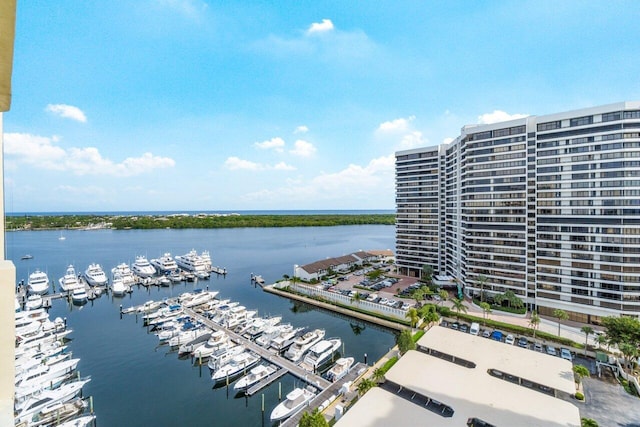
(496, 335)
(455, 326)
(537, 347)
(551, 350)
(566, 354)
(464, 328)
(522, 342)
(475, 328)
(509, 339)
(486, 333)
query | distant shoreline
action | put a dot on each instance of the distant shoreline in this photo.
(35, 222)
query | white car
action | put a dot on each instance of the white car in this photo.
(509, 339)
(566, 354)
(551, 350)
(383, 301)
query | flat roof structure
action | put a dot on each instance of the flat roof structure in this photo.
(468, 390)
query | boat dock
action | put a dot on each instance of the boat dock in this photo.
(265, 382)
(270, 356)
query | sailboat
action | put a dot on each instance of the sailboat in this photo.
(61, 237)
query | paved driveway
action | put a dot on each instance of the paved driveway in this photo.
(608, 403)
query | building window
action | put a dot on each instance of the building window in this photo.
(582, 121)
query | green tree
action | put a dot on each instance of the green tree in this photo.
(427, 274)
(587, 330)
(429, 313)
(630, 352)
(482, 280)
(579, 372)
(378, 375)
(588, 422)
(560, 315)
(357, 297)
(622, 330)
(418, 295)
(534, 322)
(486, 310)
(458, 306)
(601, 339)
(498, 299)
(510, 296)
(313, 419)
(405, 341)
(413, 316)
(444, 295)
(365, 385)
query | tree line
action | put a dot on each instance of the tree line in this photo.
(118, 222)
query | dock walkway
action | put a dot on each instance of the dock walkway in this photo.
(270, 356)
(265, 382)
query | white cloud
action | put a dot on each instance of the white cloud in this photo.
(498, 116)
(67, 112)
(397, 125)
(276, 143)
(320, 27)
(303, 149)
(301, 129)
(42, 153)
(447, 140)
(236, 163)
(412, 140)
(189, 8)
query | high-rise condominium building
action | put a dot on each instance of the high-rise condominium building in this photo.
(545, 206)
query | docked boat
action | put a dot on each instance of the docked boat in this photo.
(340, 368)
(284, 340)
(38, 283)
(224, 355)
(254, 376)
(142, 267)
(69, 282)
(303, 343)
(206, 260)
(165, 264)
(42, 374)
(320, 353)
(193, 344)
(191, 262)
(33, 302)
(238, 364)
(59, 413)
(187, 336)
(200, 298)
(270, 332)
(26, 257)
(79, 296)
(296, 400)
(118, 288)
(33, 405)
(124, 271)
(95, 276)
(83, 421)
(218, 340)
(257, 326)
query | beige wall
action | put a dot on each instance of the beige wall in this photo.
(7, 341)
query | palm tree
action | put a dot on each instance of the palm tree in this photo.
(444, 295)
(629, 351)
(560, 315)
(365, 385)
(498, 299)
(580, 372)
(378, 375)
(587, 330)
(588, 422)
(486, 310)
(412, 315)
(429, 314)
(458, 306)
(601, 339)
(534, 322)
(427, 274)
(482, 280)
(418, 295)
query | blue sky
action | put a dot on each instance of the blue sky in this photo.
(202, 105)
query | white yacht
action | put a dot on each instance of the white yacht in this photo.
(118, 288)
(33, 302)
(254, 376)
(238, 364)
(94, 274)
(64, 393)
(284, 340)
(79, 296)
(125, 273)
(69, 282)
(218, 340)
(340, 369)
(142, 267)
(165, 264)
(295, 400)
(38, 283)
(320, 353)
(206, 260)
(191, 262)
(270, 332)
(303, 343)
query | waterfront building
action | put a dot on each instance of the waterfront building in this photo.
(544, 206)
(342, 264)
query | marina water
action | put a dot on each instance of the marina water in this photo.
(135, 382)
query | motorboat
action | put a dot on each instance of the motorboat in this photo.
(142, 267)
(217, 340)
(33, 302)
(164, 281)
(59, 413)
(42, 374)
(200, 298)
(95, 276)
(26, 257)
(340, 368)
(79, 296)
(206, 260)
(296, 400)
(303, 343)
(285, 339)
(236, 316)
(270, 332)
(186, 336)
(25, 410)
(38, 283)
(149, 306)
(237, 365)
(190, 346)
(83, 421)
(191, 262)
(124, 271)
(21, 394)
(118, 288)
(165, 264)
(69, 282)
(224, 355)
(320, 353)
(254, 376)
(25, 317)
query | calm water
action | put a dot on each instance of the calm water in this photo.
(135, 382)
